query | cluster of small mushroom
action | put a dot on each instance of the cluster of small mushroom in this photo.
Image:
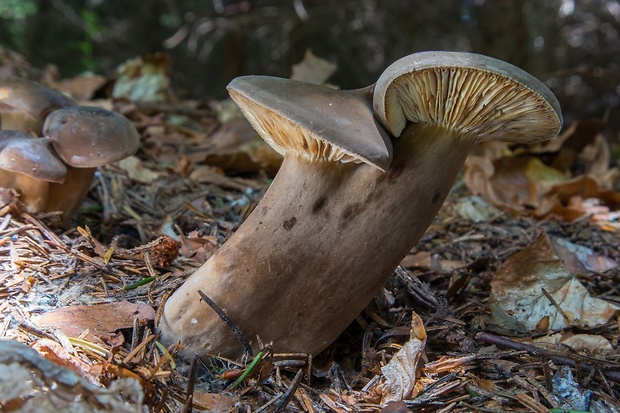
(363, 176)
(50, 147)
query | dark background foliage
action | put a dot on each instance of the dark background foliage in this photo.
(572, 45)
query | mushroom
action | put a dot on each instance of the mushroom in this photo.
(85, 138)
(24, 104)
(327, 235)
(29, 165)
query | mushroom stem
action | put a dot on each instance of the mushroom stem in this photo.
(68, 196)
(318, 247)
(33, 192)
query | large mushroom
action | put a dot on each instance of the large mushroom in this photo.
(327, 235)
(25, 104)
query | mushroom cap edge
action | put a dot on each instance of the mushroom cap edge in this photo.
(453, 67)
(314, 121)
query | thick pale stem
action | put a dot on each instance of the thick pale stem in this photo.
(318, 247)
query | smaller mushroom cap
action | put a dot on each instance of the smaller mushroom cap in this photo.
(476, 94)
(33, 157)
(313, 121)
(88, 137)
(31, 100)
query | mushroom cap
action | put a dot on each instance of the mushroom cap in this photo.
(313, 121)
(88, 137)
(29, 99)
(476, 94)
(33, 157)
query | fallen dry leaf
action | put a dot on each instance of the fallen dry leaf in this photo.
(313, 69)
(475, 209)
(102, 320)
(519, 303)
(578, 259)
(144, 79)
(137, 171)
(214, 402)
(56, 353)
(80, 88)
(400, 373)
(576, 169)
(238, 149)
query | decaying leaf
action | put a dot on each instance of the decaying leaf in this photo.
(532, 290)
(400, 373)
(579, 259)
(144, 79)
(102, 320)
(475, 209)
(571, 395)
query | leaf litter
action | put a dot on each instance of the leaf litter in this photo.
(72, 296)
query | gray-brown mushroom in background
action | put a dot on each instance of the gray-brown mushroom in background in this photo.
(29, 165)
(327, 235)
(85, 138)
(25, 104)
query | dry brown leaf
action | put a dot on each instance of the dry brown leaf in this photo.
(520, 182)
(56, 353)
(137, 171)
(519, 303)
(102, 320)
(80, 88)
(214, 402)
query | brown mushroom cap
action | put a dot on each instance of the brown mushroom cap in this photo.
(313, 121)
(26, 102)
(33, 157)
(473, 93)
(88, 137)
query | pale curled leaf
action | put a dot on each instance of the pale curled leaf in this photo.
(400, 372)
(313, 69)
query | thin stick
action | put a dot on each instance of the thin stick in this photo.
(588, 366)
(233, 327)
(289, 393)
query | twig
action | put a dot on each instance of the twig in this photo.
(558, 358)
(190, 386)
(290, 392)
(233, 327)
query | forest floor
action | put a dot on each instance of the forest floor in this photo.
(88, 296)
